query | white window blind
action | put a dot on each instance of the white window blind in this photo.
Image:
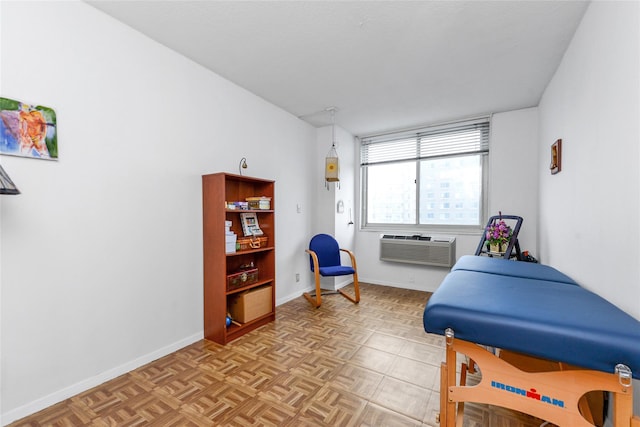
(442, 141)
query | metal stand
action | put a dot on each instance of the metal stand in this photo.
(513, 242)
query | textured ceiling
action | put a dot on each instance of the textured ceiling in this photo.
(383, 64)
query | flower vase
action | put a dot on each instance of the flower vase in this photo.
(500, 248)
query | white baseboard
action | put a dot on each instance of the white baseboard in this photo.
(292, 296)
(310, 288)
(287, 298)
(84, 385)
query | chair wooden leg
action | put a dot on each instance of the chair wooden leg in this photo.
(317, 301)
(356, 288)
(356, 285)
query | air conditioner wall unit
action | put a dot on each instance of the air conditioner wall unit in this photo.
(417, 249)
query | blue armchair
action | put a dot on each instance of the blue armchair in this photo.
(324, 259)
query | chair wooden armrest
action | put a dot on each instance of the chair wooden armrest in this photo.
(352, 256)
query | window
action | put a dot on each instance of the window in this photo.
(401, 170)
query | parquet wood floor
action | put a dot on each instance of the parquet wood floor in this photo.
(370, 364)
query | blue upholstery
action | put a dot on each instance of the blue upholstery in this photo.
(336, 270)
(511, 268)
(327, 250)
(543, 318)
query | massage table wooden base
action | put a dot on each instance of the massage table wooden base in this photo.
(554, 396)
(536, 311)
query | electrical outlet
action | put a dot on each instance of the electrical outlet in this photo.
(297, 277)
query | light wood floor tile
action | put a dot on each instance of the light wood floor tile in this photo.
(342, 364)
(432, 412)
(423, 352)
(375, 360)
(402, 397)
(358, 380)
(414, 372)
(385, 342)
(374, 416)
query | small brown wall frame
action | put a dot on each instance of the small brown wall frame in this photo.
(556, 157)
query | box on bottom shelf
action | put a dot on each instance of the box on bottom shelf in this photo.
(251, 304)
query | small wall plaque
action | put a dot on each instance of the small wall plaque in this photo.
(556, 157)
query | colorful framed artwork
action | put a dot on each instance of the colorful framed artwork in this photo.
(556, 157)
(27, 130)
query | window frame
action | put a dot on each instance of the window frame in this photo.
(428, 228)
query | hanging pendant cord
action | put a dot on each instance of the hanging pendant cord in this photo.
(333, 128)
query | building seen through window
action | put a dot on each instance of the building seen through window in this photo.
(435, 178)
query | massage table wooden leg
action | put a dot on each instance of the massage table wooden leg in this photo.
(444, 395)
(463, 382)
(448, 412)
(623, 405)
(553, 396)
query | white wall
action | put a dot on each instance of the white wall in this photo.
(589, 212)
(513, 183)
(102, 253)
(512, 190)
(322, 208)
(345, 232)
(325, 217)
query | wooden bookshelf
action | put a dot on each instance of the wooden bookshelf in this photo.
(217, 190)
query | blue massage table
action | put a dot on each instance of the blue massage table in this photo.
(537, 311)
(503, 267)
